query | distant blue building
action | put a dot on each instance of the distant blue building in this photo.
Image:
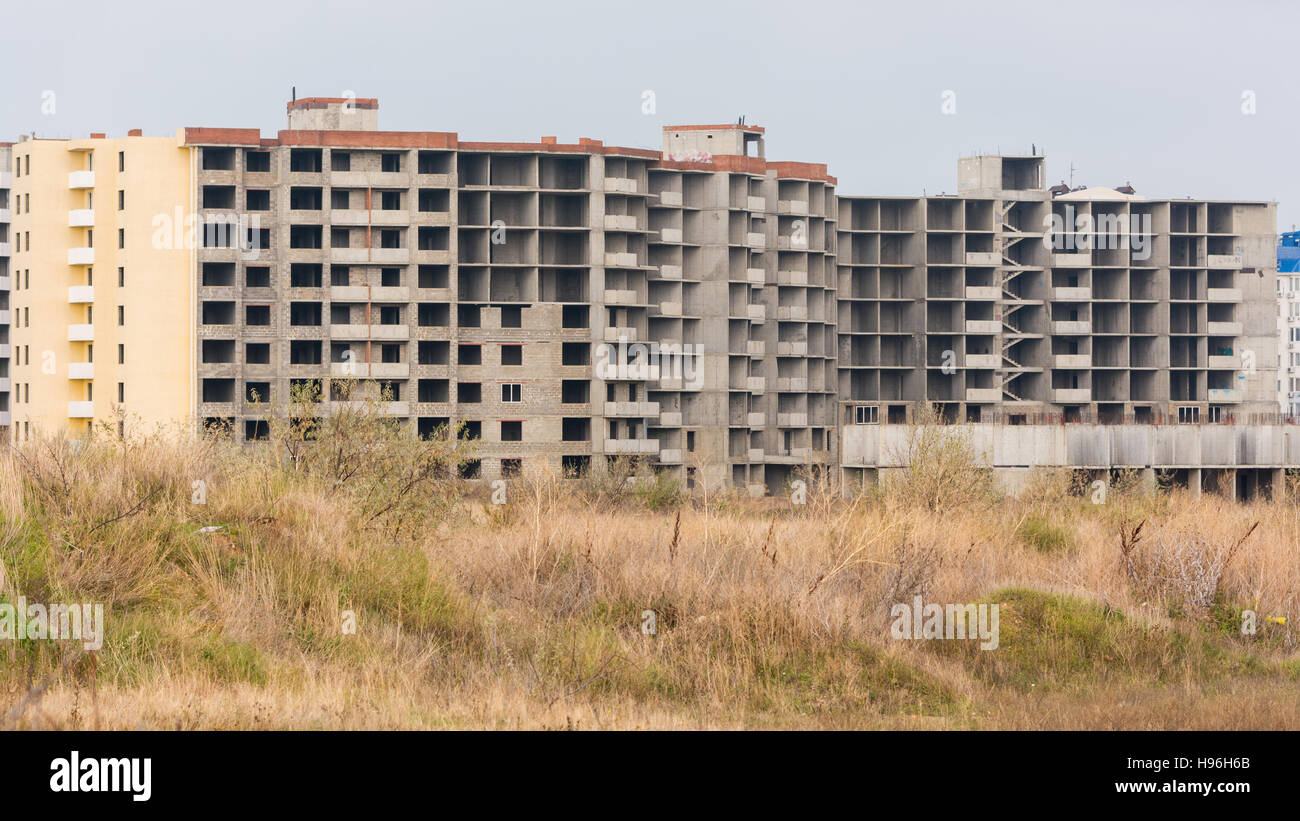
(1288, 253)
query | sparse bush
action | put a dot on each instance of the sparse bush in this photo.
(942, 469)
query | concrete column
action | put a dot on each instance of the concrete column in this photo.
(1194, 482)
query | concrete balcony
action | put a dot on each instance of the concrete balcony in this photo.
(983, 360)
(670, 309)
(81, 410)
(81, 218)
(670, 419)
(78, 294)
(81, 256)
(355, 331)
(1223, 328)
(360, 216)
(81, 333)
(6, 249)
(620, 335)
(1224, 395)
(1067, 396)
(754, 240)
(674, 383)
(670, 456)
(370, 370)
(1072, 360)
(620, 222)
(756, 313)
(792, 420)
(754, 454)
(755, 384)
(620, 297)
(797, 207)
(792, 313)
(390, 370)
(81, 179)
(1072, 294)
(622, 259)
(982, 326)
(673, 198)
(6, 215)
(5, 419)
(756, 419)
(81, 370)
(362, 256)
(1223, 261)
(632, 446)
(390, 218)
(792, 384)
(756, 276)
(5, 384)
(983, 293)
(670, 235)
(986, 258)
(983, 394)
(6, 179)
(1224, 363)
(755, 347)
(670, 272)
(792, 277)
(1083, 260)
(756, 203)
(363, 293)
(639, 410)
(1072, 327)
(799, 348)
(367, 179)
(1223, 294)
(626, 371)
(6, 350)
(622, 185)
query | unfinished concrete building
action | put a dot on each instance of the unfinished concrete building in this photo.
(552, 301)
(1012, 303)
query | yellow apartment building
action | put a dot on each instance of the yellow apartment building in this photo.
(101, 295)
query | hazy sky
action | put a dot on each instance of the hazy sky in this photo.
(1148, 92)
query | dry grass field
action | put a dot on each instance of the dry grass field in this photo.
(533, 614)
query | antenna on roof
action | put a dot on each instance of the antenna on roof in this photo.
(293, 94)
(741, 121)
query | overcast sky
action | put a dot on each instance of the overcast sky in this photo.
(1156, 93)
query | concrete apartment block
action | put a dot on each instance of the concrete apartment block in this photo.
(1090, 306)
(6, 284)
(1029, 314)
(561, 302)
(116, 207)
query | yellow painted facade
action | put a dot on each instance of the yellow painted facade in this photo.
(102, 316)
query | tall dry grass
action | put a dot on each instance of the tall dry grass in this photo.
(618, 602)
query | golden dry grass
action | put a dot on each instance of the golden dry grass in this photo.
(530, 615)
